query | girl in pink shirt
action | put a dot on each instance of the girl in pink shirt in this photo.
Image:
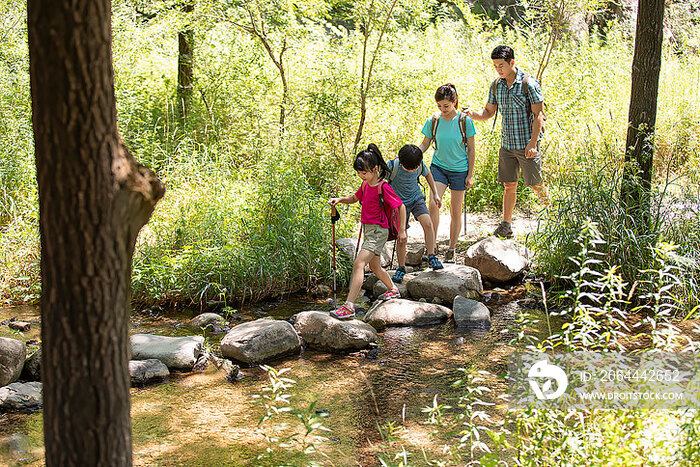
(372, 170)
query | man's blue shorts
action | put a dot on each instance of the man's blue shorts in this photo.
(456, 181)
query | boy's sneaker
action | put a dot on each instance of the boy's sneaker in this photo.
(503, 230)
(450, 255)
(346, 311)
(390, 294)
(398, 275)
(434, 263)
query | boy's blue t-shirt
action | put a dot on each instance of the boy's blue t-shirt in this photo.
(405, 183)
(450, 153)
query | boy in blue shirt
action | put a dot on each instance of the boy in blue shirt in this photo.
(405, 172)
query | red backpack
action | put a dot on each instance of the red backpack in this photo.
(392, 216)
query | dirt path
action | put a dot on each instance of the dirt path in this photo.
(479, 226)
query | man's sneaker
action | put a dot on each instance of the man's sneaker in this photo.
(450, 255)
(503, 230)
(398, 275)
(390, 294)
(346, 311)
(434, 263)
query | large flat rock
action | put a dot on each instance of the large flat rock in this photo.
(145, 371)
(21, 397)
(401, 312)
(12, 355)
(324, 332)
(496, 259)
(177, 353)
(447, 283)
(260, 340)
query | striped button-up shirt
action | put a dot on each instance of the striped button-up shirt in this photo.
(516, 128)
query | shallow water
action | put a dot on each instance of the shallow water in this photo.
(202, 419)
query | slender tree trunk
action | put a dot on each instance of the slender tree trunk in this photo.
(646, 67)
(185, 69)
(93, 200)
(365, 83)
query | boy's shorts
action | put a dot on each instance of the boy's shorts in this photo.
(456, 181)
(417, 208)
(375, 238)
(510, 162)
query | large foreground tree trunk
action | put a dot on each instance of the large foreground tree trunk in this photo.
(93, 199)
(646, 67)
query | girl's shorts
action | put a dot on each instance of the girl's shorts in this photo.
(456, 181)
(375, 238)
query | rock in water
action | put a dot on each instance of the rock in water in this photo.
(177, 353)
(446, 284)
(145, 371)
(401, 312)
(32, 367)
(21, 397)
(321, 331)
(468, 312)
(211, 322)
(260, 340)
(497, 260)
(12, 355)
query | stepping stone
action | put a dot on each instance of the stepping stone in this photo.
(260, 341)
(12, 355)
(468, 312)
(21, 397)
(402, 312)
(32, 367)
(145, 371)
(177, 353)
(414, 254)
(211, 322)
(496, 259)
(324, 332)
(446, 284)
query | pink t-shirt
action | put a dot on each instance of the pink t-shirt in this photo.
(371, 210)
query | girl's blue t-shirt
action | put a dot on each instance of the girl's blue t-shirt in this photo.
(450, 153)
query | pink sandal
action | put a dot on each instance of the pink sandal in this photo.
(344, 312)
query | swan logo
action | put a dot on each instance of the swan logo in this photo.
(543, 370)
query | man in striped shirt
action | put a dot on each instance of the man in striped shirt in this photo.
(519, 98)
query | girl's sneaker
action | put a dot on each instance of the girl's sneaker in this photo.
(434, 263)
(346, 311)
(390, 294)
(450, 255)
(398, 275)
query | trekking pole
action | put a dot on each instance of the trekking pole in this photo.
(334, 218)
(464, 210)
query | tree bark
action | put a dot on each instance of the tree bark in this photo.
(93, 200)
(646, 68)
(185, 69)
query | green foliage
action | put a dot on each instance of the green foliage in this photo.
(297, 441)
(627, 241)
(253, 238)
(195, 246)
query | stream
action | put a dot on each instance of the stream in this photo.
(202, 419)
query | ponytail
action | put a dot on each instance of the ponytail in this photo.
(370, 158)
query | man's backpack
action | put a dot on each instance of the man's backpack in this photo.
(462, 123)
(528, 100)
